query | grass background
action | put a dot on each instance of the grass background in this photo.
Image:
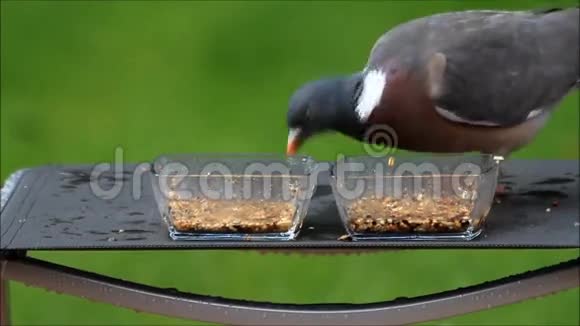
(81, 78)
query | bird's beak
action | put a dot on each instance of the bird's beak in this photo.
(294, 141)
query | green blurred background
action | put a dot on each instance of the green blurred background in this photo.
(81, 78)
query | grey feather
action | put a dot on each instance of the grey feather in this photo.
(500, 66)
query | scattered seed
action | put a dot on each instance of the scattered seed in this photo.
(345, 237)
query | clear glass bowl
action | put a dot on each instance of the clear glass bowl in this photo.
(415, 197)
(233, 196)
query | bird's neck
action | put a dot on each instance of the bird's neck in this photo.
(346, 120)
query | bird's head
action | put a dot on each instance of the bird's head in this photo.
(322, 105)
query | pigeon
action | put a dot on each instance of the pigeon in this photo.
(469, 81)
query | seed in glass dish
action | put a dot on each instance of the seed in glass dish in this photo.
(231, 216)
(406, 215)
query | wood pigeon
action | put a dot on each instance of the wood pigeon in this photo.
(482, 80)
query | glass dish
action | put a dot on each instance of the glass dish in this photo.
(438, 197)
(233, 196)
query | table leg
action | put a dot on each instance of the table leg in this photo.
(4, 303)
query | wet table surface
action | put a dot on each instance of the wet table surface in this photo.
(53, 207)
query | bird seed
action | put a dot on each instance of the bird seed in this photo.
(231, 216)
(394, 215)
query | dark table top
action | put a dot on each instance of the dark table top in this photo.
(53, 208)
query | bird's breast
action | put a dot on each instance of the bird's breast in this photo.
(410, 114)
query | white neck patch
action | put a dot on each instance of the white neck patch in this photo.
(373, 86)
